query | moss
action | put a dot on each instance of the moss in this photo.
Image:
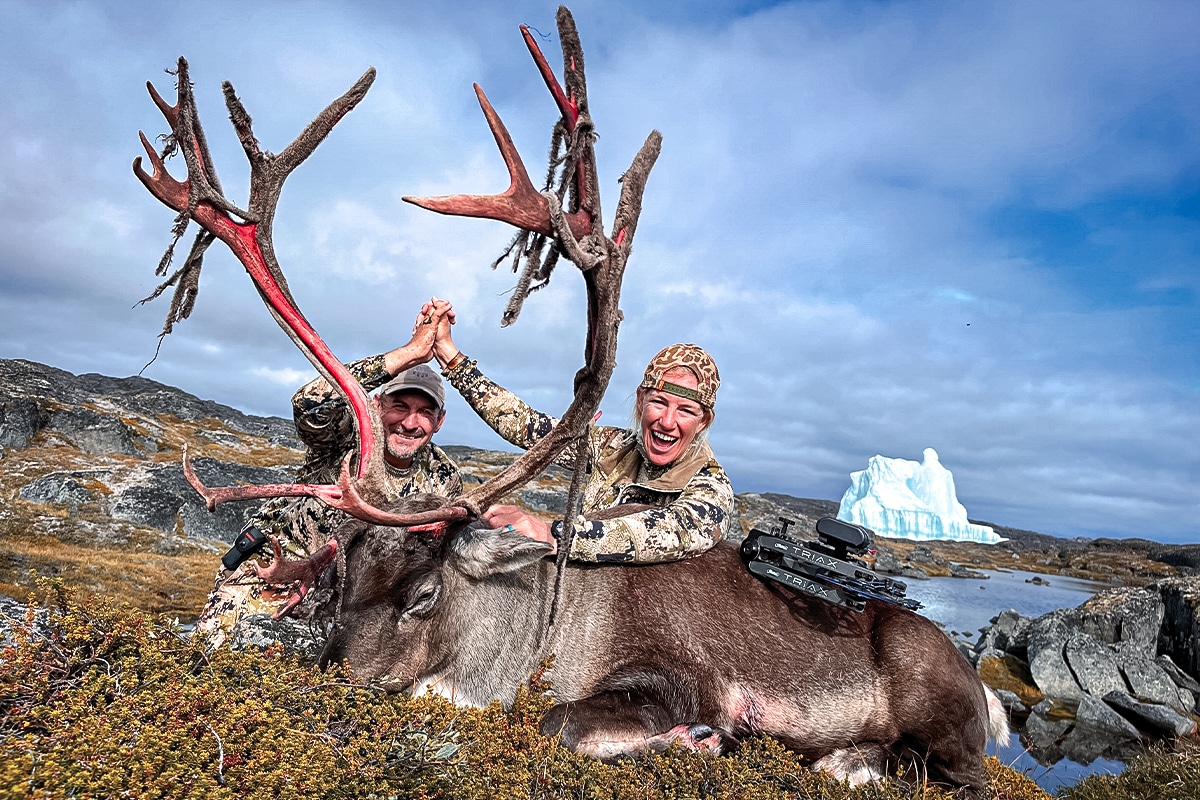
(117, 703)
(1011, 674)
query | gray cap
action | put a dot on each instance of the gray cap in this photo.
(421, 379)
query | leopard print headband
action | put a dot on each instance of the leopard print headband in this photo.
(691, 357)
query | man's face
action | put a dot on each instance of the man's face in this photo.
(410, 419)
(670, 423)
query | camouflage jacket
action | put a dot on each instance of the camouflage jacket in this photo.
(326, 426)
(692, 498)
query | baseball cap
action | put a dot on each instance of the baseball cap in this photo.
(421, 379)
(691, 357)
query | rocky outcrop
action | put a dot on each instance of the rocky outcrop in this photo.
(1179, 636)
(1092, 679)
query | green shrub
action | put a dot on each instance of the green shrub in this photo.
(116, 704)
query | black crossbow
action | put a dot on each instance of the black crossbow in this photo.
(831, 568)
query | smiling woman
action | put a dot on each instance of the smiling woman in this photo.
(663, 472)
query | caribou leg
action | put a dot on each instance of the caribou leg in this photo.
(625, 724)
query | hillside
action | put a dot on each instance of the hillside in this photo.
(91, 490)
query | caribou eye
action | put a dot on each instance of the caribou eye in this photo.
(422, 597)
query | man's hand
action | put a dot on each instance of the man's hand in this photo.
(522, 523)
(419, 349)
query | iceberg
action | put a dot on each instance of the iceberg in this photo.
(906, 500)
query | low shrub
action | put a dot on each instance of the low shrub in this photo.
(102, 701)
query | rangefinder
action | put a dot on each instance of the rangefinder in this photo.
(248, 542)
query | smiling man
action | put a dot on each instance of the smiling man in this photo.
(412, 408)
(680, 500)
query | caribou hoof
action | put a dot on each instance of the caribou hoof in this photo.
(698, 737)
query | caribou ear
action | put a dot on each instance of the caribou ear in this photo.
(480, 552)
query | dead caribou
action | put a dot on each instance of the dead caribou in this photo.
(697, 652)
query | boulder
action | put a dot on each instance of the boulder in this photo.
(1154, 717)
(1100, 719)
(57, 488)
(1150, 683)
(1126, 615)
(1048, 636)
(1179, 636)
(18, 421)
(544, 500)
(158, 496)
(259, 631)
(1094, 666)
(92, 432)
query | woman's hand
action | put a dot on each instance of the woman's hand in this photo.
(521, 522)
(419, 349)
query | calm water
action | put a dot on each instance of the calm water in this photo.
(966, 605)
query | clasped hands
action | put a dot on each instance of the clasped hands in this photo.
(432, 339)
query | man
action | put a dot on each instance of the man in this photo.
(412, 408)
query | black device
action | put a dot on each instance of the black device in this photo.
(831, 568)
(247, 543)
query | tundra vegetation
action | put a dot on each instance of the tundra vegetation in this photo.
(100, 700)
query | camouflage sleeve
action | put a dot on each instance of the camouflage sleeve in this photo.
(506, 414)
(323, 420)
(692, 523)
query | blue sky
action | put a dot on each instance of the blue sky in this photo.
(973, 227)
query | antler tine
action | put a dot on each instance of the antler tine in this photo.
(199, 198)
(520, 205)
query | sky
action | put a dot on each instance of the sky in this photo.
(895, 225)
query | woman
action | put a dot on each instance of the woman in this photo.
(664, 463)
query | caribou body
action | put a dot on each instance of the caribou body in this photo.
(698, 652)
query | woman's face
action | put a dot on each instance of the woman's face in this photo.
(670, 423)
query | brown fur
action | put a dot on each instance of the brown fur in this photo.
(645, 655)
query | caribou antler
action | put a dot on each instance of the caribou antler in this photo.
(199, 197)
(578, 234)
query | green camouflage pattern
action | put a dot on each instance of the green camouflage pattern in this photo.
(302, 525)
(693, 504)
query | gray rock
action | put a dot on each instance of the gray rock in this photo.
(92, 432)
(1048, 636)
(1096, 715)
(1008, 631)
(1159, 719)
(259, 631)
(58, 489)
(1181, 678)
(1093, 665)
(1129, 616)
(1010, 701)
(158, 496)
(1179, 636)
(543, 500)
(18, 421)
(1040, 728)
(1150, 683)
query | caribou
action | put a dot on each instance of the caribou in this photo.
(699, 652)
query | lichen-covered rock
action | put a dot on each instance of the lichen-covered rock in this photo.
(1179, 636)
(1157, 718)
(1101, 718)
(57, 488)
(1094, 665)
(1048, 637)
(92, 432)
(18, 421)
(1126, 615)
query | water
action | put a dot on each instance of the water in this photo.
(965, 605)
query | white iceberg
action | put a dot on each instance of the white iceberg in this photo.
(906, 500)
